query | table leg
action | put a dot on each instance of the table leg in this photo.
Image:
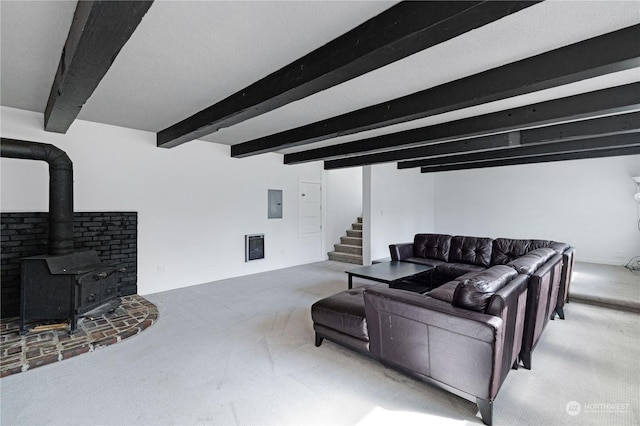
(350, 281)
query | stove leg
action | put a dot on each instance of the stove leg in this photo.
(22, 330)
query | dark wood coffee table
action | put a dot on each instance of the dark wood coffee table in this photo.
(388, 272)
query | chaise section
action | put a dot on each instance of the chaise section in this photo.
(341, 319)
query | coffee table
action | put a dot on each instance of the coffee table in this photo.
(388, 272)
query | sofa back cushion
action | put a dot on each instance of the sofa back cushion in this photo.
(536, 244)
(559, 247)
(505, 250)
(476, 292)
(471, 250)
(445, 291)
(432, 246)
(530, 262)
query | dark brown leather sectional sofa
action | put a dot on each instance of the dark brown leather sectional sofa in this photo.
(492, 300)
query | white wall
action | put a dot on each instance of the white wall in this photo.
(195, 203)
(342, 203)
(398, 204)
(587, 203)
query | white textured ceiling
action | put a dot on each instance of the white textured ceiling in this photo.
(188, 55)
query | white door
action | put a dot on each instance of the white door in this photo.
(309, 207)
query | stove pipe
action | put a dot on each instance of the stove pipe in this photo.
(60, 188)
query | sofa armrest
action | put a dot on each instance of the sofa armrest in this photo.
(553, 270)
(509, 303)
(568, 258)
(401, 251)
(428, 337)
(541, 294)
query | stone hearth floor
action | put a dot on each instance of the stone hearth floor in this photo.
(23, 352)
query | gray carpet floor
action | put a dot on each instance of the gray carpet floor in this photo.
(606, 285)
(241, 352)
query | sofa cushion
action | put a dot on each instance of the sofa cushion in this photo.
(423, 261)
(558, 246)
(505, 250)
(471, 250)
(445, 291)
(530, 262)
(476, 292)
(536, 244)
(432, 246)
(451, 271)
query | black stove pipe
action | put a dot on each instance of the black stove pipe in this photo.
(60, 188)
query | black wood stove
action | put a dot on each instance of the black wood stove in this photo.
(63, 284)
(67, 287)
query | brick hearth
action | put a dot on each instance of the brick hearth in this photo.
(22, 353)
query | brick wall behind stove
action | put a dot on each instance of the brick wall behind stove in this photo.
(113, 235)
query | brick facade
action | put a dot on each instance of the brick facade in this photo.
(113, 235)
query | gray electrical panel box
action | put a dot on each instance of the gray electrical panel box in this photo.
(275, 204)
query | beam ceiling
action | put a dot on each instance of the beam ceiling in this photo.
(563, 147)
(98, 32)
(586, 59)
(577, 136)
(402, 30)
(614, 100)
(630, 147)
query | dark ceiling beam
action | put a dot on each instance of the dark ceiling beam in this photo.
(633, 149)
(594, 57)
(98, 32)
(538, 141)
(482, 143)
(552, 148)
(400, 31)
(614, 100)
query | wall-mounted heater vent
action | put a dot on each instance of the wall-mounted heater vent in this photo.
(253, 247)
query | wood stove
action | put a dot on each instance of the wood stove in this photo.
(66, 287)
(63, 284)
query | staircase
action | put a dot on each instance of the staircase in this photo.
(350, 248)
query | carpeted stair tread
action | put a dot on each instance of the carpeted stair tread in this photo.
(347, 248)
(345, 257)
